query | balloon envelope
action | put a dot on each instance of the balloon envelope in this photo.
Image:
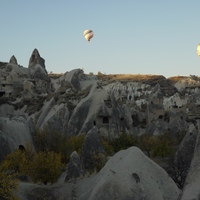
(198, 49)
(88, 34)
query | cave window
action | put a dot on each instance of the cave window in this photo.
(105, 120)
(160, 116)
(2, 93)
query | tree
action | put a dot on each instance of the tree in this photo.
(178, 170)
(45, 167)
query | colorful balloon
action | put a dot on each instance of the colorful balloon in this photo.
(198, 49)
(88, 34)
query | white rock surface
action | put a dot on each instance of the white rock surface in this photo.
(118, 179)
(16, 131)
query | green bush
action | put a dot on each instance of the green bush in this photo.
(52, 150)
(45, 167)
(17, 162)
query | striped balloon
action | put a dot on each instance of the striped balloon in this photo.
(88, 34)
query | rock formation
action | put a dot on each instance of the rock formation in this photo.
(129, 174)
(73, 102)
(36, 59)
(92, 150)
(74, 169)
(14, 132)
(191, 188)
(13, 60)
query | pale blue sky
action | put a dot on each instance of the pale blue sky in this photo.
(130, 36)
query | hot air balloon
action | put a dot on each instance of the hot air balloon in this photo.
(88, 34)
(198, 49)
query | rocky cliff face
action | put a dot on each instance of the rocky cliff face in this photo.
(134, 104)
(191, 188)
(74, 102)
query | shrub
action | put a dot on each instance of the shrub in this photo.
(73, 143)
(17, 162)
(162, 149)
(147, 143)
(99, 73)
(107, 146)
(163, 146)
(124, 141)
(8, 183)
(45, 167)
(91, 74)
(52, 140)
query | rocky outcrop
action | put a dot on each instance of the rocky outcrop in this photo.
(74, 102)
(132, 106)
(20, 82)
(54, 116)
(14, 132)
(92, 150)
(74, 169)
(13, 60)
(185, 150)
(191, 188)
(131, 175)
(179, 166)
(74, 77)
(38, 70)
(36, 59)
(78, 117)
(5, 150)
